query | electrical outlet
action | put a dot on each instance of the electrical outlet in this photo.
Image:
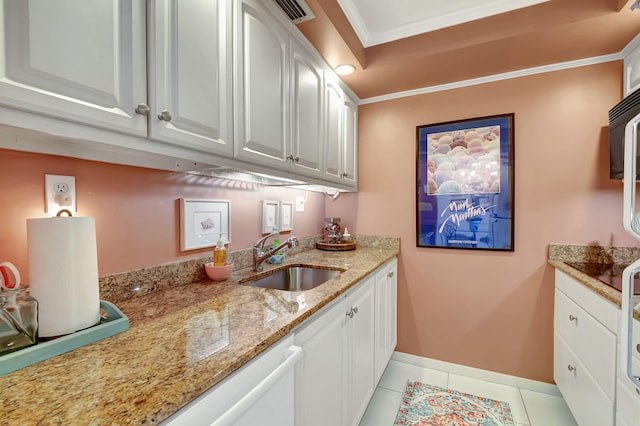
(59, 193)
(300, 204)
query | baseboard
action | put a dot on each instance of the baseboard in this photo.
(477, 373)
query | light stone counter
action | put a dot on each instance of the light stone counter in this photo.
(183, 339)
(559, 254)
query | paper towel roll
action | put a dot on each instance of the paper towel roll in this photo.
(63, 270)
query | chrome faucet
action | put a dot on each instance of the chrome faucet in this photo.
(260, 255)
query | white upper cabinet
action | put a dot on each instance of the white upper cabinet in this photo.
(83, 61)
(307, 114)
(632, 68)
(262, 86)
(341, 154)
(190, 67)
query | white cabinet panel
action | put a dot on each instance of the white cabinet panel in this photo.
(386, 316)
(262, 86)
(335, 380)
(361, 352)
(190, 74)
(320, 374)
(76, 60)
(588, 403)
(592, 342)
(307, 115)
(341, 158)
(261, 392)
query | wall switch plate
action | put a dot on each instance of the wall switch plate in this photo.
(300, 204)
(59, 194)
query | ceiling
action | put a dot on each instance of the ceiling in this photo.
(413, 44)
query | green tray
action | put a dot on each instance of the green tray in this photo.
(116, 322)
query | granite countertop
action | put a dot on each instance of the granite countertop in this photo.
(182, 340)
(560, 254)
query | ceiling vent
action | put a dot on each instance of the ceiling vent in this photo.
(297, 10)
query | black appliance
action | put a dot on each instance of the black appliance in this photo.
(609, 274)
(619, 116)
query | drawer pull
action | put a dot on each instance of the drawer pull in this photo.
(573, 318)
(638, 348)
(571, 367)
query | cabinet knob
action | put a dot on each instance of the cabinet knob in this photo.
(350, 313)
(292, 158)
(573, 318)
(390, 275)
(165, 116)
(638, 347)
(142, 109)
(571, 367)
(355, 310)
(345, 175)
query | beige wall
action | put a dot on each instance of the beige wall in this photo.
(494, 310)
(136, 209)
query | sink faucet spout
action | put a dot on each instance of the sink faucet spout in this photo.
(260, 255)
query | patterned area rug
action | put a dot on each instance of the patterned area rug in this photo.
(427, 405)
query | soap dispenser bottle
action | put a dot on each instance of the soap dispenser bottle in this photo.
(219, 254)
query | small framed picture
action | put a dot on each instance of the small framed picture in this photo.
(203, 223)
(286, 215)
(270, 216)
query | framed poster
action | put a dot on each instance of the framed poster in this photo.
(203, 223)
(464, 175)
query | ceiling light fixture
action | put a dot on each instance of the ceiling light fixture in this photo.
(345, 69)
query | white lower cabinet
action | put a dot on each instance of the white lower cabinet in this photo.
(260, 393)
(345, 349)
(386, 316)
(334, 381)
(585, 327)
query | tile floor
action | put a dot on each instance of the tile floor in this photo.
(529, 408)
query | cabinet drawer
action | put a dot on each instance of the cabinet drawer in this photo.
(598, 307)
(592, 343)
(588, 403)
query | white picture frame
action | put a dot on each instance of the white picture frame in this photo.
(203, 223)
(270, 216)
(286, 216)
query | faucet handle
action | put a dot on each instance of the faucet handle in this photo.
(261, 241)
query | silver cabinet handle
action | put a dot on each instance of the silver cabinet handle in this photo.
(292, 158)
(571, 367)
(350, 313)
(345, 175)
(390, 275)
(355, 310)
(142, 109)
(573, 318)
(165, 115)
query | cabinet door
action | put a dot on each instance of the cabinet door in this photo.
(262, 86)
(190, 51)
(350, 142)
(320, 375)
(386, 316)
(334, 100)
(307, 136)
(360, 352)
(83, 61)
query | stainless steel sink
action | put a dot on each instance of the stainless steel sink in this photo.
(294, 278)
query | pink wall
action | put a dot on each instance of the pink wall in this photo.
(494, 310)
(491, 310)
(136, 209)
